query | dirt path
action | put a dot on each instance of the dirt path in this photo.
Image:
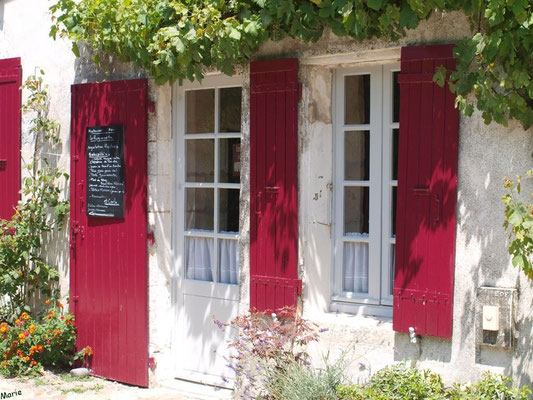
(63, 387)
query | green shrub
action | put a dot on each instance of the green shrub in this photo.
(27, 345)
(299, 381)
(492, 386)
(400, 382)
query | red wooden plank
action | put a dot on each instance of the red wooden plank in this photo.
(10, 117)
(423, 287)
(109, 259)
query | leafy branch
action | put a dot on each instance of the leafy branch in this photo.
(176, 39)
(519, 223)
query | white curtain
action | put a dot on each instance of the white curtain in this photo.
(198, 258)
(355, 267)
(229, 261)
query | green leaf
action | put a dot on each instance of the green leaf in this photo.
(407, 16)
(75, 49)
(375, 4)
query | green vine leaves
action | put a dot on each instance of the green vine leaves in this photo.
(176, 39)
(519, 223)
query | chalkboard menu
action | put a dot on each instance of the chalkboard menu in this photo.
(105, 171)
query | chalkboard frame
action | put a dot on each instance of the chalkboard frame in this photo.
(92, 203)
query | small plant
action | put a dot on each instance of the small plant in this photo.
(400, 382)
(266, 347)
(397, 382)
(27, 345)
(490, 387)
(300, 381)
(519, 223)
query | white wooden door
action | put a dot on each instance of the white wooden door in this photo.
(207, 131)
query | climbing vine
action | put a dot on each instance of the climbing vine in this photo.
(175, 39)
(25, 272)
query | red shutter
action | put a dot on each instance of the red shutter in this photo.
(427, 191)
(10, 82)
(274, 95)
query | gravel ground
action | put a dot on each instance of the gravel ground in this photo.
(62, 387)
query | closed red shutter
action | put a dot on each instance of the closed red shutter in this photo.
(427, 191)
(274, 95)
(10, 81)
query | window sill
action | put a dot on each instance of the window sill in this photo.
(349, 307)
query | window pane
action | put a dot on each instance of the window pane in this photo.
(228, 210)
(228, 261)
(357, 99)
(230, 110)
(393, 207)
(200, 156)
(355, 273)
(229, 160)
(395, 143)
(357, 155)
(200, 109)
(356, 211)
(199, 208)
(392, 264)
(198, 258)
(395, 97)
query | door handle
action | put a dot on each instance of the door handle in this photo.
(3, 164)
(421, 191)
(272, 189)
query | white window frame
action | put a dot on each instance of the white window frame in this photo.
(209, 82)
(380, 187)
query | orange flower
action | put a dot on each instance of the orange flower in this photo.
(4, 328)
(60, 305)
(33, 349)
(25, 316)
(32, 328)
(88, 351)
(47, 302)
(34, 363)
(26, 333)
(40, 348)
(57, 332)
(49, 316)
(21, 336)
(27, 359)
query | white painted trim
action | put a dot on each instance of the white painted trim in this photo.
(381, 56)
(387, 182)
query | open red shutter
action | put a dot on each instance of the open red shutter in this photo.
(427, 191)
(274, 95)
(10, 81)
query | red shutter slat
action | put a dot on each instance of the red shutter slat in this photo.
(108, 262)
(427, 191)
(10, 102)
(274, 94)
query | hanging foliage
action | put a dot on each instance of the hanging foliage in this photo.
(174, 39)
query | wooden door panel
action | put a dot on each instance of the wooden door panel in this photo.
(109, 292)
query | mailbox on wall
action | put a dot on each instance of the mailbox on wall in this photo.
(495, 321)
